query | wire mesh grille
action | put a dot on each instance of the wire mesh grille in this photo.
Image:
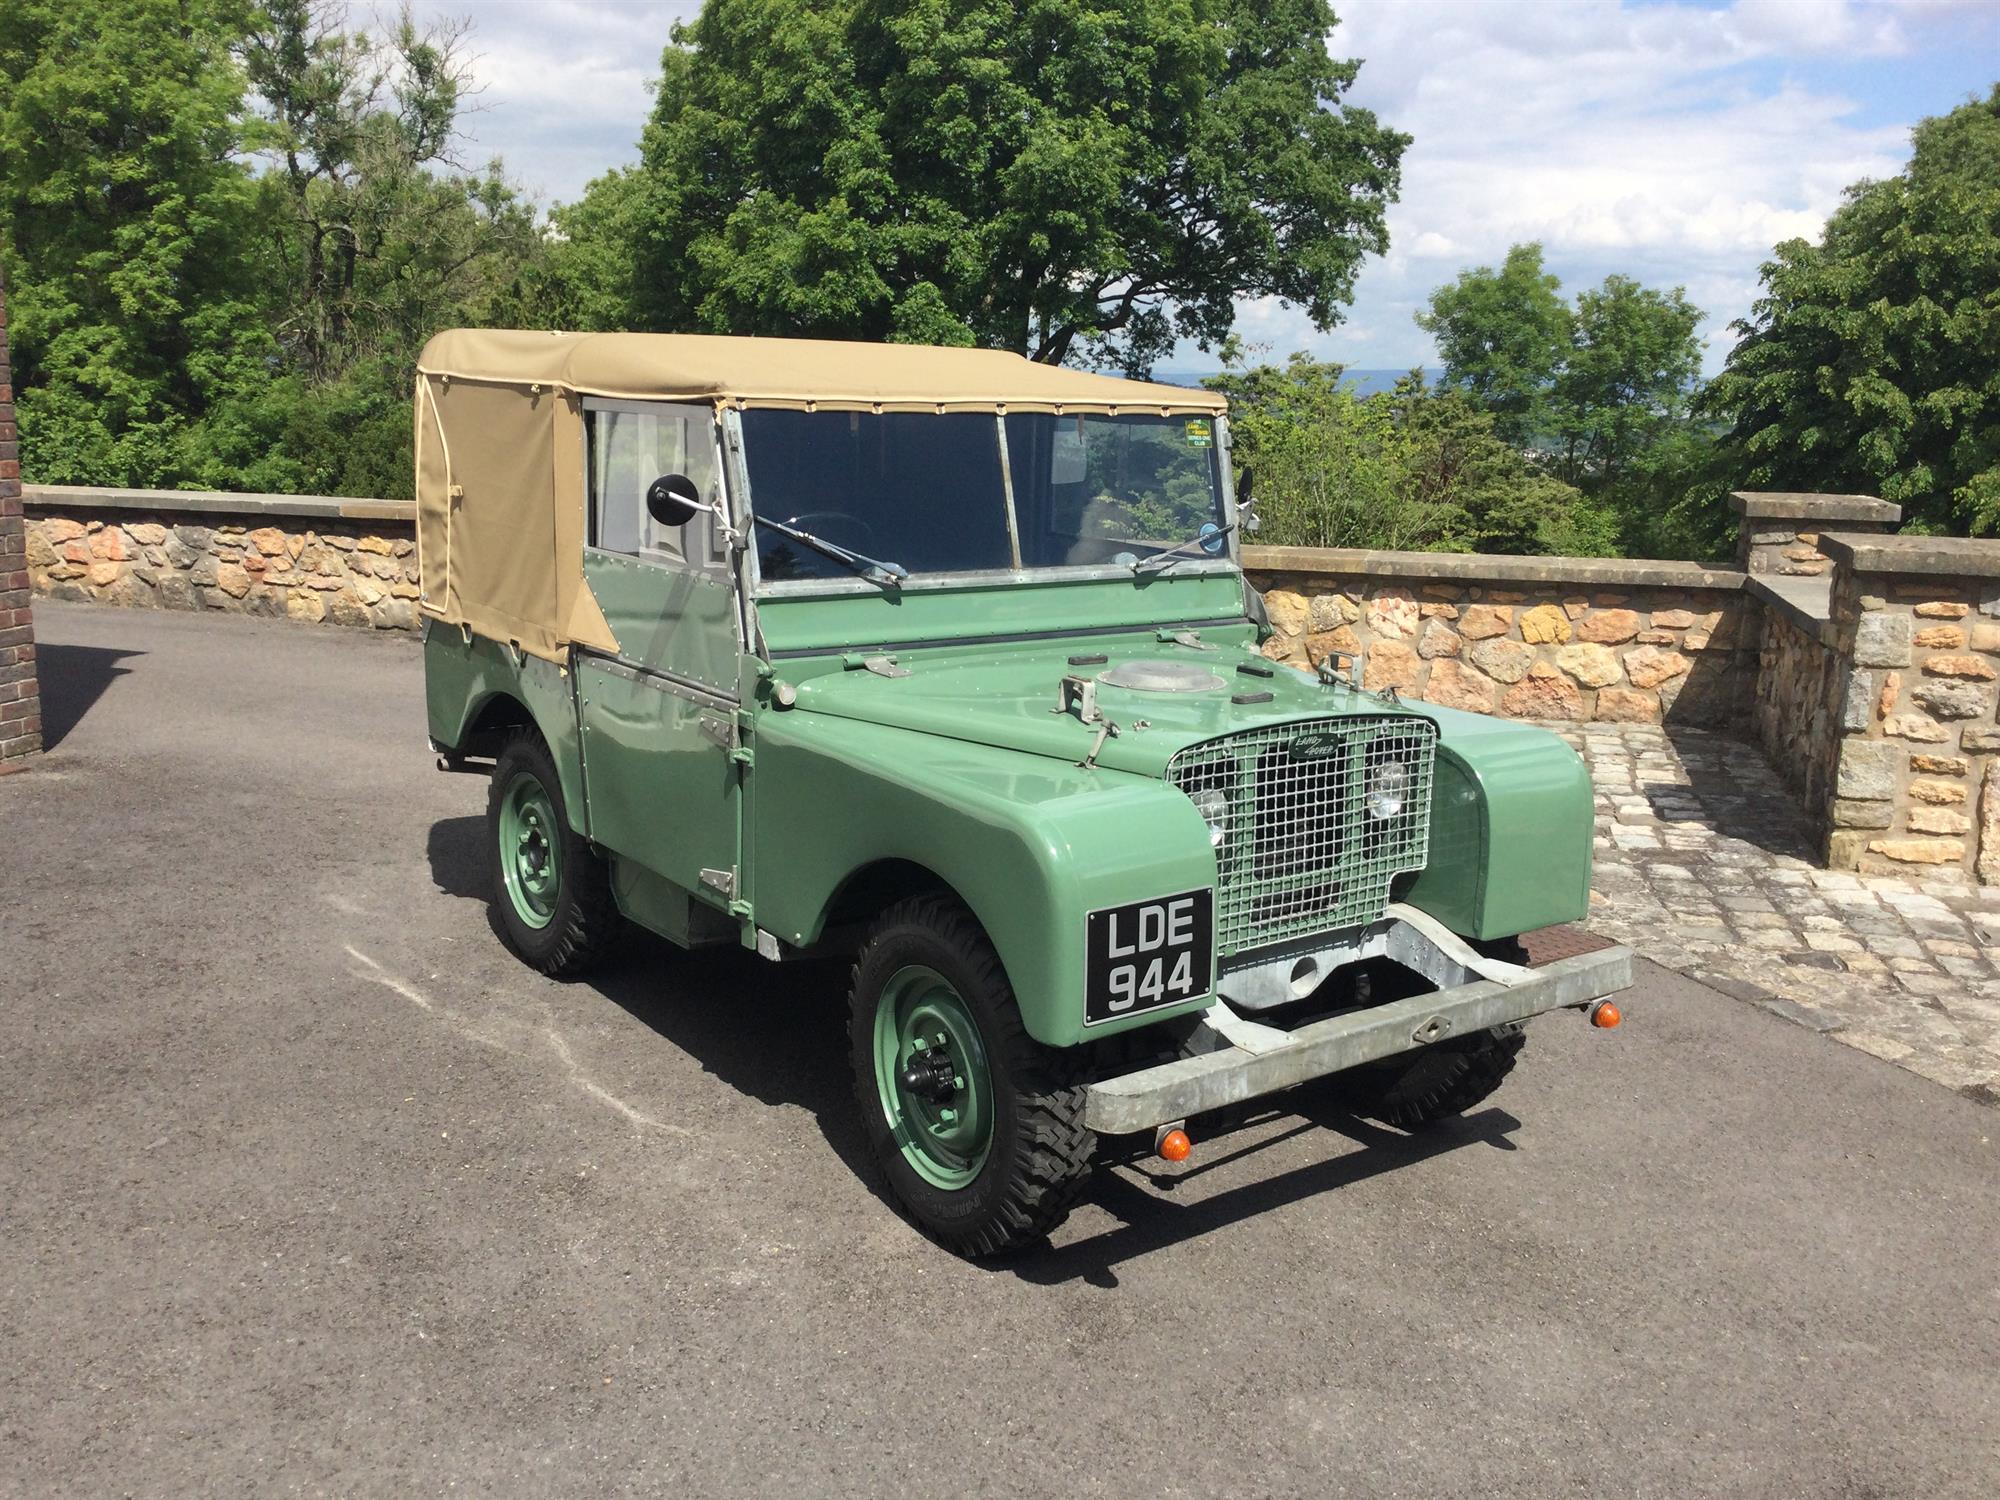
(1302, 852)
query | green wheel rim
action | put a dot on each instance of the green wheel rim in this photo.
(530, 849)
(932, 1075)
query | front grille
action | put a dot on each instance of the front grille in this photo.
(1302, 854)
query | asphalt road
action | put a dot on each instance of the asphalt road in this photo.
(307, 1186)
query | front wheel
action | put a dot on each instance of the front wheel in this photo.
(551, 890)
(977, 1127)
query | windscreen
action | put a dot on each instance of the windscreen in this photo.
(928, 491)
(1091, 490)
(915, 488)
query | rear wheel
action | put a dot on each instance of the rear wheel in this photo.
(551, 890)
(1445, 1079)
(976, 1126)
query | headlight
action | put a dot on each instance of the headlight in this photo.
(1213, 805)
(1388, 783)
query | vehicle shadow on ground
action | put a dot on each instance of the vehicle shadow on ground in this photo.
(777, 1033)
(72, 679)
(456, 849)
(1142, 1196)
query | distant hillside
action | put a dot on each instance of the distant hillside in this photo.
(1366, 382)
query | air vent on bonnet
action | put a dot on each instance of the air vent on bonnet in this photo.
(1161, 677)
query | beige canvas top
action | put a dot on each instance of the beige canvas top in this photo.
(791, 373)
(500, 460)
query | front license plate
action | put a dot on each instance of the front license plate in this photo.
(1148, 954)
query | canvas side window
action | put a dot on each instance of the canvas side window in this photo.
(629, 446)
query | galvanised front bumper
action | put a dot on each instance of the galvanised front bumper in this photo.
(1251, 1060)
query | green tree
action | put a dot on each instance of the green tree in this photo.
(1503, 336)
(1064, 178)
(1626, 379)
(127, 215)
(181, 318)
(1410, 469)
(1601, 390)
(1872, 360)
(378, 237)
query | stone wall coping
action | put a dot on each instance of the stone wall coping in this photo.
(1475, 567)
(1777, 505)
(328, 507)
(1806, 602)
(1945, 556)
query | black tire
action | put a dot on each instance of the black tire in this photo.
(1445, 1079)
(1039, 1155)
(583, 921)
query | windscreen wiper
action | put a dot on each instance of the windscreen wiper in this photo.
(887, 574)
(1152, 560)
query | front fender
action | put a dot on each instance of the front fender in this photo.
(1512, 820)
(1030, 844)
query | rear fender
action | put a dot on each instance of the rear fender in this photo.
(472, 683)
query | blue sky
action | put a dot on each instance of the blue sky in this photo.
(1675, 142)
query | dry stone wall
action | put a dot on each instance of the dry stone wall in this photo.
(355, 569)
(1799, 703)
(1868, 670)
(1526, 638)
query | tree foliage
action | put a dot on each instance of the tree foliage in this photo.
(1872, 360)
(1412, 469)
(1599, 390)
(1501, 335)
(124, 210)
(230, 230)
(1064, 178)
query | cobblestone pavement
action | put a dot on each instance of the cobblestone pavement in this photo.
(1703, 864)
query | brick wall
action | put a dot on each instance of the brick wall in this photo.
(20, 698)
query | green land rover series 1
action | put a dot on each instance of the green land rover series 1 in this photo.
(943, 661)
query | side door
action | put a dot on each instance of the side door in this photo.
(659, 717)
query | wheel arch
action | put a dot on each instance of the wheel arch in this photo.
(872, 888)
(492, 719)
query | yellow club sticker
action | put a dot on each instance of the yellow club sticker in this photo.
(1200, 432)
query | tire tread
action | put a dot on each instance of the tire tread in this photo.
(1053, 1163)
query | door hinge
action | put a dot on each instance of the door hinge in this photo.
(720, 881)
(721, 731)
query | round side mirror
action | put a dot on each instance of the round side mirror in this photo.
(673, 500)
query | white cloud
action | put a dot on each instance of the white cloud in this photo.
(566, 85)
(1671, 142)
(1677, 142)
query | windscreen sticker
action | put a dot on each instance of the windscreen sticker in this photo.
(1200, 433)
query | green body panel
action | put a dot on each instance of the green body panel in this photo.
(961, 768)
(1004, 694)
(879, 618)
(662, 791)
(1029, 843)
(671, 620)
(675, 913)
(463, 676)
(1512, 819)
